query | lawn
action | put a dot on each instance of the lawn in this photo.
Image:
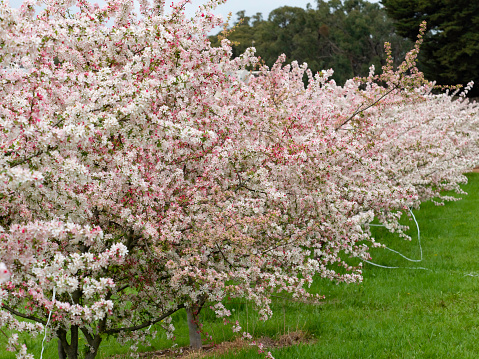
(393, 313)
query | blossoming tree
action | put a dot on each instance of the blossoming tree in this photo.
(140, 177)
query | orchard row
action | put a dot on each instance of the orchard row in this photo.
(139, 176)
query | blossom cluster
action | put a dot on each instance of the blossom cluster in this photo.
(140, 175)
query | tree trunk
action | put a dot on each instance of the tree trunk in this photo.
(95, 344)
(71, 350)
(193, 327)
(61, 352)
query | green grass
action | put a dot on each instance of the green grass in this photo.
(393, 313)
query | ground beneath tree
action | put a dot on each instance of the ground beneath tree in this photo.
(284, 340)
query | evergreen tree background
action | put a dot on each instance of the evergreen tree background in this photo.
(349, 36)
(450, 53)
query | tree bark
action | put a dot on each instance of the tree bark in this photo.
(61, 351)
(71, 350)
(94, 341)
(95, 345)
(193, 327)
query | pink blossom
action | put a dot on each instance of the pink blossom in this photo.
(143, 177)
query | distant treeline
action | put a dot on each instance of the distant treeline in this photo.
(349, 35)
(346, 36)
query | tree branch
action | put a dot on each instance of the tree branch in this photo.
(144, 325)
(24, 316)
(359, 110)
(20, 162)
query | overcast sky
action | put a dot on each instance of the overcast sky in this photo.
(253, 6)
(263, 6)
(250, 6)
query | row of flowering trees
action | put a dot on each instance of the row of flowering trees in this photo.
(139, 177)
